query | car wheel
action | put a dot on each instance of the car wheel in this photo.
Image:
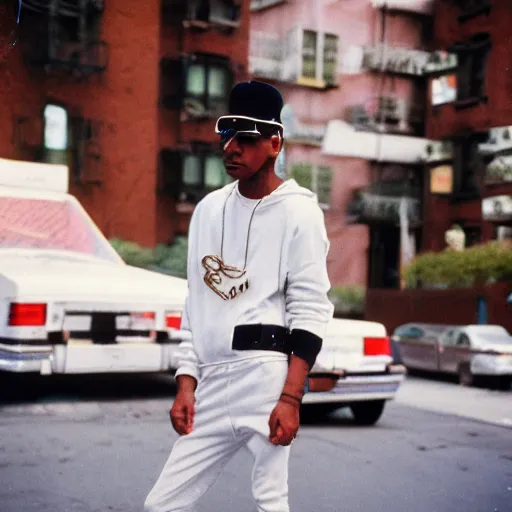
(466, 378)
(367, 413)
(311, 413)
(503, 383)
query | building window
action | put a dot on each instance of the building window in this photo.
(471, 8)
(311, 52)
(473, 235)
(330, 68)
(207, 85)
(55, 128)
(468, 166)
(318, 179)
(188, 177)
(472, 66)
(63, 36)
(60, 136)
(221, 12)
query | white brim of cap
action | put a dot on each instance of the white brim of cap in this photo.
(255, 119)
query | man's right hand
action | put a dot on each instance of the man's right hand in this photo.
(183, 409)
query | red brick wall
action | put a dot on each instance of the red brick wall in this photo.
(176, 41)
(124, 99)
(497, 111)
(446, 120)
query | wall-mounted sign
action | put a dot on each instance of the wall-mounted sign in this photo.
(497, 208)
(296, 131)
(444, 89)
(441, 179)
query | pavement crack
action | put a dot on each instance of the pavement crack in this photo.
(422, 448)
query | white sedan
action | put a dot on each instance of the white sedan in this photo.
(469, 351)
(68, 303)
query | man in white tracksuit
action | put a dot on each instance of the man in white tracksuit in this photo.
(256, 311)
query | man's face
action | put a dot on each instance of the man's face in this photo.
(247, 145)
(245, 155)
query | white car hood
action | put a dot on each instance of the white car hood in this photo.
(73, 277)
(502, 348)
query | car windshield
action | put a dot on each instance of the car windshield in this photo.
(33, 223)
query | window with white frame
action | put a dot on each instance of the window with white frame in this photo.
(318, 179)
(312, 51)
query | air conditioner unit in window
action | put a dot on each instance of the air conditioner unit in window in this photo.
(258, 5)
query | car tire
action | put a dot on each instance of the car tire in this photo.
(313, 413)
(367, 413)
(466, 378)
(503, 383)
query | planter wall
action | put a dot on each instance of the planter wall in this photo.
(448, 306)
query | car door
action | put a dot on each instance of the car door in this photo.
(412, 347)
(462, 349)
(426, 350)
(448, 351)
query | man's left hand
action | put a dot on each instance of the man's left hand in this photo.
(284, 423)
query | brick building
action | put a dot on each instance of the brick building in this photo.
(126, 93)
(352, 78)
(469, 175)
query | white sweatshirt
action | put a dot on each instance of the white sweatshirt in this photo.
(286, 271)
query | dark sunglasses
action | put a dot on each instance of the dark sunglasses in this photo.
(247, 130)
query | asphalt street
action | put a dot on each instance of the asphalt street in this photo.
(91, 444)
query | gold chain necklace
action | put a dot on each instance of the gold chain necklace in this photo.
(227, 281)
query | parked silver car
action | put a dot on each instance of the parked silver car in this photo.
(469, 351)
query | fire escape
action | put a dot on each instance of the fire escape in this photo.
(64, 36)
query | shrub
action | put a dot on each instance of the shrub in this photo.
(172, 259)
(168, 259)
(480, 264)
(348, 299)
(132, 253)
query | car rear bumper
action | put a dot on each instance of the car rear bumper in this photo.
(355, 388)
(88, 358)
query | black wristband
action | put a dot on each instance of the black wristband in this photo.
(306, 345)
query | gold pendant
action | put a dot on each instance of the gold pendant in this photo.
(226, 281)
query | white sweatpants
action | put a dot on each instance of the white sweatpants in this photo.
(233, 405)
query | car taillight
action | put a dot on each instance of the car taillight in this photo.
(173, 320)
(377, 346)
(142, 320)
(27, 315)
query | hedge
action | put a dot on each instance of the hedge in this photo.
(167, 259)
(348, 299)
(480, 264)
